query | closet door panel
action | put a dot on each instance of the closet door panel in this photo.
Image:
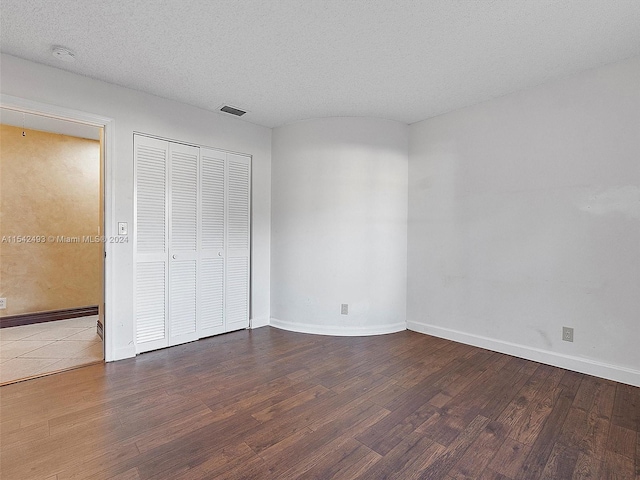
(237, 298)
(191, 242)
(212, 245)
(238, 242)
(184, 198)
(182, 299)
(150, 243)
(213, 204)
(151, 191)
(183, 242)
(238, 213)
(212, 297)
(150, 305)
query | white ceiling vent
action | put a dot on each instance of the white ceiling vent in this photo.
(238, 112)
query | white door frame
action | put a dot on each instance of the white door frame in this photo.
(108, 124)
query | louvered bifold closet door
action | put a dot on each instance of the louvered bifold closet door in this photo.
(150, 243)
(183, 242)
(212, 242)
(238, 242)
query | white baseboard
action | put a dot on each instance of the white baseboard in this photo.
(259, 322)
(356, 331)
(583, 365)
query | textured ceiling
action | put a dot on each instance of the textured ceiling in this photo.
(286, 60)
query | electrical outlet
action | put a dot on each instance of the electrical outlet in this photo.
(344, 309)
(3, 303)
(567, 334)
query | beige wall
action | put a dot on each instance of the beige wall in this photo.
(49, 187)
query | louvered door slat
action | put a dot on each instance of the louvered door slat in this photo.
(237, 298)
(212, 200)
(212, 252)
(238, 242)
(150, 302)
(183, 236)
(151, 195)
(212, 296)
(150, 240)
(182, 298)
(184, 199)
(238, 200)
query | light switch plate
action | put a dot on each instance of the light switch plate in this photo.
(123, 228)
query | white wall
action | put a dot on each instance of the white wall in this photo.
(524, 216)
(338, 231)
(140, 112)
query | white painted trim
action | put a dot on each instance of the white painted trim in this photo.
(259, 322)
(124, 352)
(110, 230)
(616, 373)
(356, 331)
(55, 111)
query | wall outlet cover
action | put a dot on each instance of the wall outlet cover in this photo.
(567, 334)
(3, 303)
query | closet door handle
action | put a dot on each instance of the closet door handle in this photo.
(174, 256)
(219, 254)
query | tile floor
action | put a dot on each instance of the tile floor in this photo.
(48, 347)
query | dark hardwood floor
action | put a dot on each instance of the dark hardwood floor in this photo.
(273, 404)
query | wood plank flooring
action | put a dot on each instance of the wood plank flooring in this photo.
(270, 404)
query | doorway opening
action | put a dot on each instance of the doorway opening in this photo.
(52, 250)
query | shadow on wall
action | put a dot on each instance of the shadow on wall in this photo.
(339, 222)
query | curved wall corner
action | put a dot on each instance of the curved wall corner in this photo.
(339, 226)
